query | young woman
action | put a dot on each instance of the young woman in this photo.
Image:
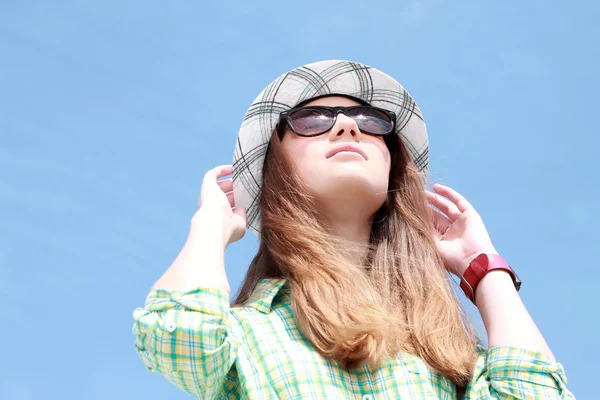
(349, 295)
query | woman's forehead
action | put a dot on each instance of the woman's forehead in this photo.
(332, 101)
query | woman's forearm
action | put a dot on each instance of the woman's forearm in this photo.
(506, 319)
(201, 260)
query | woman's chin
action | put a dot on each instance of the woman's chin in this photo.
(348, 181)
(349, 171)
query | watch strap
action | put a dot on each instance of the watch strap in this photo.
(479, 267)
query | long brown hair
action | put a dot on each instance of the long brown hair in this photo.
(400, 299)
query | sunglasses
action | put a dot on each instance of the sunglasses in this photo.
(316, 120)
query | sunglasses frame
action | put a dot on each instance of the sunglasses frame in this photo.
(285, 116)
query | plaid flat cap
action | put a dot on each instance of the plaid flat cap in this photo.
(307, 82)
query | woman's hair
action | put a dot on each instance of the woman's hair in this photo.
(400, 299)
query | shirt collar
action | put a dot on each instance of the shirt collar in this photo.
(264, 295)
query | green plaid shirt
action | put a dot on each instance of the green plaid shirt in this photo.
(213, 351)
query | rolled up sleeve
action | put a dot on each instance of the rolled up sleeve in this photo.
(187, 337)
(514, 373)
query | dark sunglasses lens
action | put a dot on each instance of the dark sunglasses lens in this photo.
(311, 121)
(371, 121)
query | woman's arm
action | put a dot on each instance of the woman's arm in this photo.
(215, 225)
(185, 330)
(201, 262)
(189, 337)
(506, 319)
(519, 363)
(461, 237)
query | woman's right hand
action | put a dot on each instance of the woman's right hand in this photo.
(216, 204)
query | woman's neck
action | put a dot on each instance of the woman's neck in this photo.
(353, 227)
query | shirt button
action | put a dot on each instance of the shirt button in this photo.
(367, 397)
(171, 326)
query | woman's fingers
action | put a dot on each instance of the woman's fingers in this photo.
(226, 185)
(444, 205)
(440, 222)
(218, 172)
(208, 192)
(231, 199)
(461, 203)
(241, 211)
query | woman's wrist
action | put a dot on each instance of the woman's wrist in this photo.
(209, 225)
(495, 284)
(462, 267)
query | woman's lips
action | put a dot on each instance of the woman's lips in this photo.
(346, 147)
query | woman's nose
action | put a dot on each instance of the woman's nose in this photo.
(345, 125)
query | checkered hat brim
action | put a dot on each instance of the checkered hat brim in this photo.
(302, 84)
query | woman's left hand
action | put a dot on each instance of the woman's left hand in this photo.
(461, 234)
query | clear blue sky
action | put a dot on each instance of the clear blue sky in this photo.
(111, 112)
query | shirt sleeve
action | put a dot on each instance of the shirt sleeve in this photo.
(187, 337)
(513, 373)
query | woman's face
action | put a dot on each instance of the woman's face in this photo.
(346, 175)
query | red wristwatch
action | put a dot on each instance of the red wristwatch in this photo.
(479, 267)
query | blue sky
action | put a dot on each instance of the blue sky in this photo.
(111, 113)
